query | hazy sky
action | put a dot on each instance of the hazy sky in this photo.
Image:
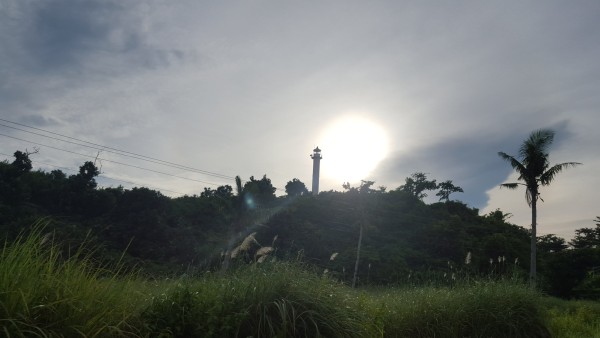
(251, 87)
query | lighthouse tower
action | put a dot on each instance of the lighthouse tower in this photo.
(316, 156)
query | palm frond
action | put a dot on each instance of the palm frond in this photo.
(548, 176)
(537, 144)
(518, 166)
(509, 185)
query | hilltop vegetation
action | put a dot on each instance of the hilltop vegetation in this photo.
(404, 240)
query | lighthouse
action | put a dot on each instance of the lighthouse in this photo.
(316, 156)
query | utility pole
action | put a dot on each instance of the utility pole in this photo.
(360, 236)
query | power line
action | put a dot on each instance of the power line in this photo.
(105, 176)
(111, 161)
(116, 151)
(111, 149)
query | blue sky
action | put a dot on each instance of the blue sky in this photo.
(250, 88)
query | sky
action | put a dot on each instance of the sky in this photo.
(383, 88)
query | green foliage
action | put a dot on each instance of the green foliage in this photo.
(22, 163)
(401, 234)
(417, 184)
(551, 243)
(295, 187)
(45, 293)
(587, 237)
(485, 309)
(259, 193)
(447, 188)
(589, 288)
(572, 319)
(564, 271)
(278, 300)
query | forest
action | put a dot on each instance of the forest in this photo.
(360, 236)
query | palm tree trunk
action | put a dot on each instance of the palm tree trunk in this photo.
(533, 265)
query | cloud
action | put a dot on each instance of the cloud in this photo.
(247, 87)
(71, 36)
(55, 47)
(38, 121)
(471, 162)
(62, 33)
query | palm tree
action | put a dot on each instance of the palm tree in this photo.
(533, 169)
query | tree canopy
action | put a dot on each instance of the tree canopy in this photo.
(417, 184)
(447, 188)
(587, 237)
(295, 187)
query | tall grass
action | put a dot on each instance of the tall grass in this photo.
(279, 300)
(285, 301)
(573, 319)
(483, 309)
(43, 293)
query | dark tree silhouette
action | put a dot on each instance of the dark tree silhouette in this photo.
(259, 193)
(587, 237)
(295, 187)
(447, 188)
(417, 184)
(22, 162)
(84, 180)
(533, 168)
(551, 243)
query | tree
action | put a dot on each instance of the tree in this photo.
(84, 180)
(259, 192)
(551, 243)
(587, 237)
(447, 188)
(533, 168)
(417, 183)
(295, 187)
(22, 162)
(499, 215)
(238, 186)
(365, 187)
(224, 192)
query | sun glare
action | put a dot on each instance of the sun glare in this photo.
(352, 148)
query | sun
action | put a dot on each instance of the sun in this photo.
(352, 147)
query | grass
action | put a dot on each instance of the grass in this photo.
(485, 309)
(573, 319)
(45, 293)
(278, 300)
